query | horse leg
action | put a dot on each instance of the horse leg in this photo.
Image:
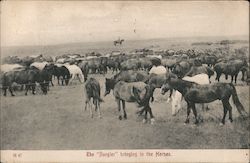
(124, 111)
(58, 80)
(195, 113)
(86, 104)
(218, 76)
(229, 107)
(232, 78)
(27, 87)
(62, 80)
(11, 92)
(235, 78)
(51, 83)
(188, 113)
(224, 102)
(226, 76)
(78, 77)
(4, 90)
(90, 105)
(146, 115)
(119, 108)
(99, 109)
(33, 87)
(152, 120)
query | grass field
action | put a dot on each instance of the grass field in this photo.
(58, 121)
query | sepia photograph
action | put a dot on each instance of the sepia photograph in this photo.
(124, 81)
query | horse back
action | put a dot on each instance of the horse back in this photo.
(124, 90)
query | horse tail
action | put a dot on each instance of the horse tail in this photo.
(96, 92)
(137, 98)
(237, 102)
(145, 100)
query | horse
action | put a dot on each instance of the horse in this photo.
(84, 66)
(127, 76)
(209, 60)
(138, 92)
(118, 42)
(75, 71)
(27, 77)
(243, 70)
(195, 70)
(181, 68)
(62, 73)
(176, 97)
(232, 67)
(92, 90)
(195, 93)
(130, 64)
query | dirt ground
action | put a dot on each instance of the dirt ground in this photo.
(58, 121)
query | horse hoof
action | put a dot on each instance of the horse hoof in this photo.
(152, 121)
(144, 121)
(11, 95)
(125, 116)
(120, 117)
(221, 124)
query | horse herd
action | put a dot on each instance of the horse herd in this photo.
(133, 83)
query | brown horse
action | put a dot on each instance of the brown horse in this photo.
(127, 76)
(27, 77)
(92, 90)
(231, 67)
(138, 92)
(195, 93)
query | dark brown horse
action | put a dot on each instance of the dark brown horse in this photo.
(62, 73)
(27, 77)
(138, 92)
(195, 93)
(181, 68)
(231, 67)
(93, 90)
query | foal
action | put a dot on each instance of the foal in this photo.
(92, 90)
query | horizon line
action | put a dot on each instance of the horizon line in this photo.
(140, 39)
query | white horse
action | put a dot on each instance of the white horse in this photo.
(39, 65)
(10, 67)
(176, 97)
(75, 71)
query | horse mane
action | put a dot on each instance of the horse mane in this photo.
(188, 83)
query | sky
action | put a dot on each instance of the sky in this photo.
(56, 22)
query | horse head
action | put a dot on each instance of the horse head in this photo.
(165, 87)
(109, 84)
